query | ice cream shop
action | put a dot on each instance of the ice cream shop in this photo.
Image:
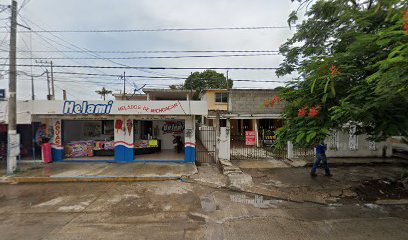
(118, 130)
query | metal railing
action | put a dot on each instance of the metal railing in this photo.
(241, 151)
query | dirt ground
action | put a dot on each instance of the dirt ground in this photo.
(349, 183)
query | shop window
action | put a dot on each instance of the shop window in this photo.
(88, 139)
(223, 122)
(221, 97)
(146, 129)
(107, 127)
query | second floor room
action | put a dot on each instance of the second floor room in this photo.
(245, 101)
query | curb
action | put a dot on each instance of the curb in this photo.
(349, 164)
(16, 180)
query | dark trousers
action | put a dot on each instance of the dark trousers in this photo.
(320, 158)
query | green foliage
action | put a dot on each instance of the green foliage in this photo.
(352, 59)
(176, 86)
(209, 79)
(103, 92)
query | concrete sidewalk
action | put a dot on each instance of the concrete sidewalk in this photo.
(92, 172)
(292, 182)
(333, 162)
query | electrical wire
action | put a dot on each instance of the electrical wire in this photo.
(7, 58)
(162, 29)
(84, 49)
(23, 4)
(48, 41)
(159, 51)
(162, 57)
(4, 8)
(155, 68)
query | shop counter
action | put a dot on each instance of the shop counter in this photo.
(104, 148)
(147, 146)
(77, 149)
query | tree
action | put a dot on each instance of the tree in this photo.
(103, 92)
(351, 57)
(209, 79)
(176, 86)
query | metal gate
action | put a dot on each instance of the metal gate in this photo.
(3, 152)
(205, 144)
(241, 151)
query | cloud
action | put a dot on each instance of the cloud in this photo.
(127, 14)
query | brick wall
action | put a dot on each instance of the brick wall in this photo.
(254, 101)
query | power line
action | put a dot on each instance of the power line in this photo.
(152, 68)
(160, 57)
(118, 75)
(82, 49)
(1, 45)
(3, 8)
(69, 93)
(157, 51)
(63, 54)
(161, 29)
(150, 78)
(25, 2)
(96, 82)
(160, 78)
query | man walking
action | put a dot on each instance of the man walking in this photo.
(320, 157)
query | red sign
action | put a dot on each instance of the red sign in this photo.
(147, 109)
(57, 131)
(250, 138)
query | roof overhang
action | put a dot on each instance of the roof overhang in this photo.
(250, 116)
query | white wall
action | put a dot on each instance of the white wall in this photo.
(224, 144)
(166, 139)
(363, 150)
(23, 112)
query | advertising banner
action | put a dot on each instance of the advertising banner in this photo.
(250, 138)
(82, 107)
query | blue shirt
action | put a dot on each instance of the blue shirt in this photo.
(321, 149)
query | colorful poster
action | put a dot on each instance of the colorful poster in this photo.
(173, 127)
(118, 125)
(78, 149)
(250, 138)
(269, 137)
(129, 124)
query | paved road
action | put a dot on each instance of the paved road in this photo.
(178, 210)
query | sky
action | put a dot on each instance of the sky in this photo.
(141, 14)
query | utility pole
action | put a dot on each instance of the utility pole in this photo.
(13, 137)
(48, 85)
(227, 80)
(124, 86)
(51, 89)
(52, 82)
(32, 88)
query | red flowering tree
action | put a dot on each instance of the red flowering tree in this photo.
(351, 58)
(314, 112)
(302, 112)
